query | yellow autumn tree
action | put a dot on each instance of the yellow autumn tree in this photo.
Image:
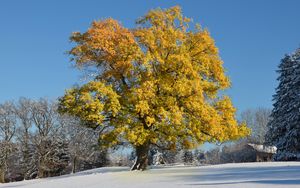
(157, 84)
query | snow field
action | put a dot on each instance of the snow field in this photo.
(241, 175)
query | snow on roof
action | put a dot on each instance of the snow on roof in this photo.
(263, 148)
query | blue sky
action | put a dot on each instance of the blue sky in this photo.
(252, 37)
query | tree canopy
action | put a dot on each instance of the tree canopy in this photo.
(158, 83)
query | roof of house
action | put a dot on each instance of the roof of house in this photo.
(263, 148)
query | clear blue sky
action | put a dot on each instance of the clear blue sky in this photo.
(252, 37)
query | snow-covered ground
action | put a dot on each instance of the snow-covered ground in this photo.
(241, 175)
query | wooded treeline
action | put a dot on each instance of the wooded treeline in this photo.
(36, 141)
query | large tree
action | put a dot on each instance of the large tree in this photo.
(157, 84)
(284, 127)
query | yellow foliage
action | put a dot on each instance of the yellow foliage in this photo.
(157, 83)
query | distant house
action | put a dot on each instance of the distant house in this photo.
(263, 153)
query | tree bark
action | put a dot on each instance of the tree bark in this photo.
(2, 175)
(141, 161)
(74, 165)
(41, 172)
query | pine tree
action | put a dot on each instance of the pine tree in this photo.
(284, 127)
(188, 157)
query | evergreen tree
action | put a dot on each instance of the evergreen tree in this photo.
(188, 157)
(284, 127)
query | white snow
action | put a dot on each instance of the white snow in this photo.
(263, 148)
(238, 175)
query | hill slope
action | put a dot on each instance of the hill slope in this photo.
(274, 174)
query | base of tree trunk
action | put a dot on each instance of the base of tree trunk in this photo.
(2, 177)
(41, 173)
(141, 161)
(74, 165)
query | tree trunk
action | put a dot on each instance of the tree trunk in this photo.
(141, 161)
(41, 172)
(2, 175)
(74, 165)
(26, 157)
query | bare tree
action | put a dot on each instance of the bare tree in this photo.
(7, 132)
(257, 120)
(83, 145)
(24, 137)
(213, 156)
(47, 138)
(36, 141)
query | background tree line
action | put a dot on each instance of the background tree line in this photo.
(36, 141)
